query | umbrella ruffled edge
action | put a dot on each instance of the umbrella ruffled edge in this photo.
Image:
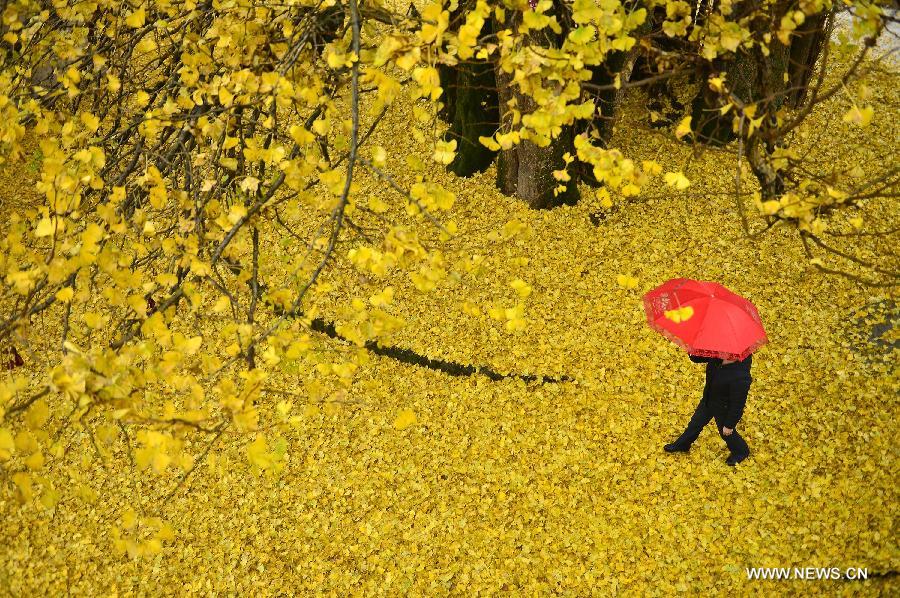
(648, 310)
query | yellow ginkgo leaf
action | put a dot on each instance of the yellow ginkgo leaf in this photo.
(770, 207)
(681, 314)
(677, 180)
(489, 143)
(508, 140)
(35, 461)
(24, 486)
(383, 298)
(684, 127)
(626, 281)
(405, 419)
(37, 415)
(258, 452)
(65, 295)
(226, 98)
(7, 444)
(651, 167)
(137, 18)
(237, 212)
(379, 156)
(91, 122)
(521, 288)
(445, 151)
(44, 228)
(860, 117)
(221, 304)
(471, 309)
(129, 519)
(408, 60)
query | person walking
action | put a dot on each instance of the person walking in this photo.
(724, 398)
(721, 329)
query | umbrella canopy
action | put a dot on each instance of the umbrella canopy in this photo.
(705, 318)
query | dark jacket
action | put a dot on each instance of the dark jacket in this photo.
(726, 386)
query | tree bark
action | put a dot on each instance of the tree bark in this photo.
(755, 78)
(751, 77)
(805, 50)
(447, 75)
(619, 64)
(526, 169)
(507, 160)
(475, 113)
(469, 105)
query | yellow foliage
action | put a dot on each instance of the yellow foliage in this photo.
(195, 283)
(680, 314)
(677, 180)
(405, 419)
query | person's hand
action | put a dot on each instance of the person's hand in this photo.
(727, 431)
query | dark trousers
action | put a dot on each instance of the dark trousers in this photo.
(707, 410)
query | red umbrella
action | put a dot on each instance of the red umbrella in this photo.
(705, 318)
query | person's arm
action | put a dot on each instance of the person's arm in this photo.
(699, 359)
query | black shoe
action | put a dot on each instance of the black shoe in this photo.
(732, 460)
(675, 448)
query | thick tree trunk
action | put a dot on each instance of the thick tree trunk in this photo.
(755, 78)
(477, 99)
(751, 77)
(805, 50)
(470, 107)
(507, 160)
(655, 59)
(770, 181)
(447, 75)
(617, 65)
(526, 169)
(476, 114)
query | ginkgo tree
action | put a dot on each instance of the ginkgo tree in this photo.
(180, 146)
(758, 72)
(177, 144)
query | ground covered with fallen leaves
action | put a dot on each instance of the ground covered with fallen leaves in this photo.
(424, 483)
